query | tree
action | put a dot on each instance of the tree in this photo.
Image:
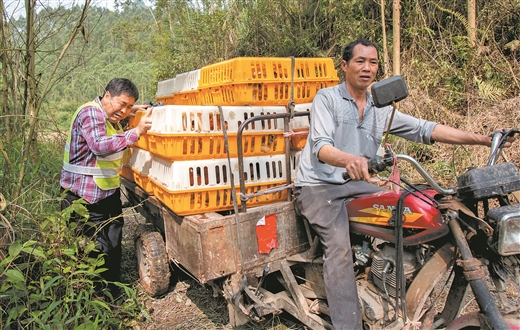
(24, 87)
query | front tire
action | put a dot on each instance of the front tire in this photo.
(418, 293)
(152, 261)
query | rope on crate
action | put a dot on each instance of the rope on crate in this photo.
(291, 104)
(246, 197)
(291, 133)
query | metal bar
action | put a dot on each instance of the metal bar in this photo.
(241, 152)
(287, 156)
(479, 287)
(294, 289)
(426, 176)
(233, 194)
(284, 301)
(494, 147)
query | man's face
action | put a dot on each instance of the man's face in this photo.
(118, 107)
(361, 70)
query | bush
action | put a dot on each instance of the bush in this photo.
(49, 282)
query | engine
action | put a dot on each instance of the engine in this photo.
(377, 291)
(384, 272)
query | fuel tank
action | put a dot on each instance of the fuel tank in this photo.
(372, 215)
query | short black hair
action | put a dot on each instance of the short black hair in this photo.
(348, 51)
(118, 86)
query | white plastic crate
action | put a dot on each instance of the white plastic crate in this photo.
(187, 81)
(165, 88)
(301, 122)
(141, 160)
(126, 170)
(205, 185)
(295, 163)
(192, 81)
(187, 119)
(139, 164)
(179, 82)
(214, 173)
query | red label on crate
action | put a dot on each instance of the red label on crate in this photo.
(266, 234)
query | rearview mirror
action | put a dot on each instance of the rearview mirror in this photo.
(389, 90)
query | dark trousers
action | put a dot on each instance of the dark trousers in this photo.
(324, 207)
(107, 229)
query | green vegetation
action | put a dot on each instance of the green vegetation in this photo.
(69, 56)
(48, 283)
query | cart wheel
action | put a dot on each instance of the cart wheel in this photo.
(152, 261)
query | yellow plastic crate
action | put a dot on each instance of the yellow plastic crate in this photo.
(211, 145)
(143, 181)
(132, 123)
(166, 99)
(186, 202)
(262, 94)
(127, 172)
(184, 98)
(181, 98)
(266, 69)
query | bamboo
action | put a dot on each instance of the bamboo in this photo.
(386, 60)
(472, 21)
(397, 37)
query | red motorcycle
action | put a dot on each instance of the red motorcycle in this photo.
(409, 247)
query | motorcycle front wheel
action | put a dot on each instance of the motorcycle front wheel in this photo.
(427, 287)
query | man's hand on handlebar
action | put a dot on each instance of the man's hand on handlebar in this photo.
(374, 165)
(357, 169)
(507, 136)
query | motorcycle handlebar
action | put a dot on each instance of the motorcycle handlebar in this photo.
(377, 164)
(498, 141)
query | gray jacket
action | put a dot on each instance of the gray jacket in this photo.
(335, 121)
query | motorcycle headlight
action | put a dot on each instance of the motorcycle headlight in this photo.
(508, 229)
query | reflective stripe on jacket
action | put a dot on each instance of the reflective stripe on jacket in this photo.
(106, 171)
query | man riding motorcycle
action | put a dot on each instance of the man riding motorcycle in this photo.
(346, 130)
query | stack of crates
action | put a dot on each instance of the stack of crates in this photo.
(182, 160)
(263, 81)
